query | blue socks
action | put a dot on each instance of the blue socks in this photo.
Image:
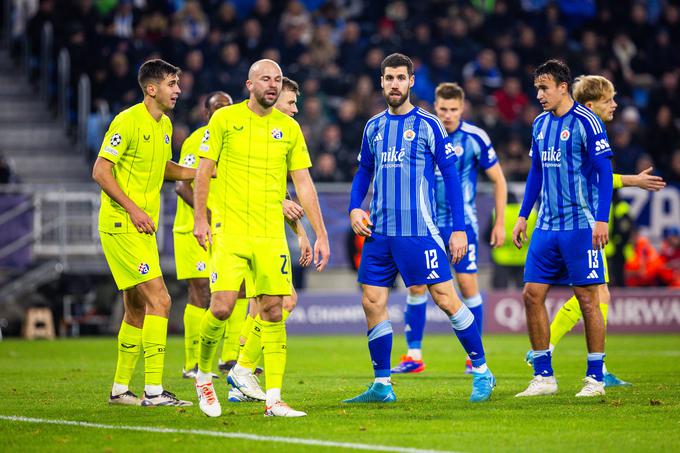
(474, 303)
(595, 364)
(463, 322)
(414, 320)
(380, 347)
(543, 363)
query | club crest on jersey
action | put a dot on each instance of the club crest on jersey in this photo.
(277, 134)
(167, 139)
(458, 150)
(200, 266)
(143, 268)
(409, 135)
(213, 277)
(189, 160)
(115, 140)
(564, 136)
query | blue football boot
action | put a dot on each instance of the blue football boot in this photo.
(482, 386)
(376, 393)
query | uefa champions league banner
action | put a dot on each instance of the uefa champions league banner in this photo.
(651, 310)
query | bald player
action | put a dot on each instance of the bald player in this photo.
(247, 234)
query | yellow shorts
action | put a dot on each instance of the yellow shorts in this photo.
(132, 257)
(265, 261)
(191, 260)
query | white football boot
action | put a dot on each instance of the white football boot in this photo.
(591, 387)
(540, 385)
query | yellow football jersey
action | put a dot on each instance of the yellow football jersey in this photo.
(188, 157)
(139, 147)
(253, 155)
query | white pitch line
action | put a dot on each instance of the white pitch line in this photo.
(205, 432)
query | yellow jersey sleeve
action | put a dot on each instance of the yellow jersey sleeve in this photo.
(117, 139)
(298, 155)
(617, 183)
(211, 144)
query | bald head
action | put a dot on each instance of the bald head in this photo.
(264, 84)
(263, 65)
(215, 101)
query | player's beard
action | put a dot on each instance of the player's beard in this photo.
(396, 103)
(262, 100)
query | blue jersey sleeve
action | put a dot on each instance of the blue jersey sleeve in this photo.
(487, 157)
(534, 182)
(363, 176)
(605, 182)
(445, 159)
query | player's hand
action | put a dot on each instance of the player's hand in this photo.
(600, 235)
(322, 253)
(497, 235)
(292, 211)
(360, 221)
(142, 221)
(519, 233)
(647, 181)
(458, 245)
(306, 252)
(202, 232)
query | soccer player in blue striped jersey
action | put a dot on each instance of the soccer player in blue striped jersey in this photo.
(572, 171)
(400, 149)
(474, 151)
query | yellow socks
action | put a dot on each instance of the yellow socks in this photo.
(154, 337)
(274, 352)
(129, 347)
(232, 331)
(212, 330)
(192, 325)
(567, 317)
(245, 329)
(252, 348)
(565, 320)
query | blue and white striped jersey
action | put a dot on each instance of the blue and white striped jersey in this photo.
(402, 150)
(473, 148)
(566, 147)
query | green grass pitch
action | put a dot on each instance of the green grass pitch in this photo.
(70, 380)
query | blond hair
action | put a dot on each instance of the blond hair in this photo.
(591, 88)
(449, 90)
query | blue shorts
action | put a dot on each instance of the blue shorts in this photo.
(421, 260)
(467, 265)
(564, 258)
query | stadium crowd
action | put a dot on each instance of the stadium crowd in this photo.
(334, 49)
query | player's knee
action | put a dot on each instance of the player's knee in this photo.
(271, 312)
(604, 294)
(159, 304)
(531, 296)
(417, 290)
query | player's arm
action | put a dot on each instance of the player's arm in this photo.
(531, 191)
(291, 210)
(206, 168)
(176, 172)
(306, 192)
(603, 168)
(644, 180)
(102, 173)
(184, 190)
(208, 152)
(306, 251)
(500, 194)
(445, 159)
(359, 220)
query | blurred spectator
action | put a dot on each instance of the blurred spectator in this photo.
(350, 124)
(124, 18)
(515, 160)
(510, 100)
(670, 254)
(314, 118)
(664, 135)
(325, 169)
(644, 265)
(484, 67)
(193, 21)
(120, 89)
(627, 153)
(674, 171)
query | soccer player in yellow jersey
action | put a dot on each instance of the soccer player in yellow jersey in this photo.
(251, 353)
(132, 163)
(191, 260)
(597, 93)
(254, 146)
